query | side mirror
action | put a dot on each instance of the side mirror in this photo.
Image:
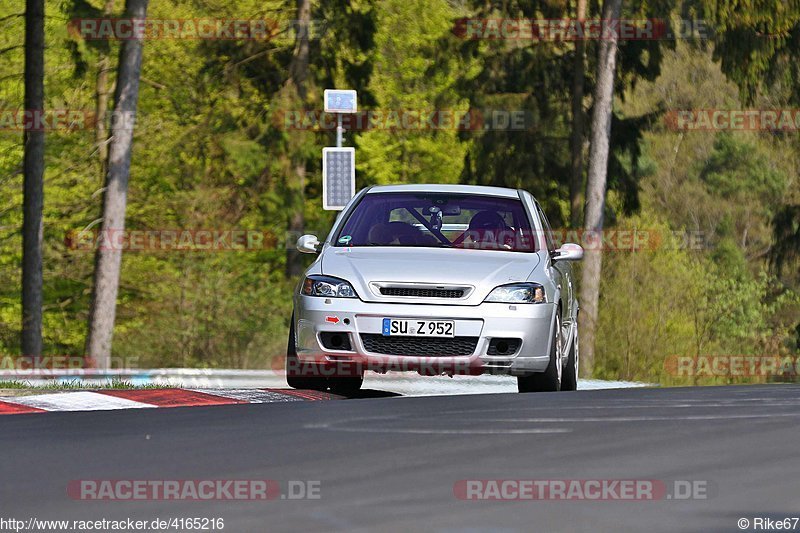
(308, 244)
(568, 252)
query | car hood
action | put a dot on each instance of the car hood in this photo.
(480, 270)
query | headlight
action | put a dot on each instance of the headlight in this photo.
(518, 293)
(327, 287)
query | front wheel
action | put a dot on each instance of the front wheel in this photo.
(569, 377)
(301, 375)
(345, 386)
(550, 379)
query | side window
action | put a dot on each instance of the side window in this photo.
(548, 233)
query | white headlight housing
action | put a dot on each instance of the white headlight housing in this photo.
(327, 287)
(518, 293)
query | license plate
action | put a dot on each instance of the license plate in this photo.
(418, 328)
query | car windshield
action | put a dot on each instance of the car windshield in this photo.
(435, 220)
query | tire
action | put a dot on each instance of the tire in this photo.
(302, 376)
(569, 375)
(347, 385)
(550, 379)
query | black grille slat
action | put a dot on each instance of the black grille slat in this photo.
(419, 346)
(422, 293)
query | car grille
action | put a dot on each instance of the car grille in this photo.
(419, 346)
(422, 293)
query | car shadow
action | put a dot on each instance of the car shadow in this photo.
(370, 393)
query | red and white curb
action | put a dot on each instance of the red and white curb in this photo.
(112, 399)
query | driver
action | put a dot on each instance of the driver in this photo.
(393, 233)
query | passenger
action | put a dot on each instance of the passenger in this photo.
(488, 230)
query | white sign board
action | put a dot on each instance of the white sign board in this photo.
(338, 177)
(340, 101)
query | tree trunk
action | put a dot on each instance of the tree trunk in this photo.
(298, 74)
(298, 68)
(101, 101)
(576, 138)
(107, 259)
(596, 186)
(33, 188)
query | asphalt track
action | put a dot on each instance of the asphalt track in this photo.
(391, 463)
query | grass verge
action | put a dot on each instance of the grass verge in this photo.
(78, 385)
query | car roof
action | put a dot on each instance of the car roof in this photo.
(481, 190)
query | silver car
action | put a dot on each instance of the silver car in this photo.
(437, 279)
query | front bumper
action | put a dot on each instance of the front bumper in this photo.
(532, 324)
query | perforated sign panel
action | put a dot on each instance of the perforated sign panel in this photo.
(338, 177)
(340, 101)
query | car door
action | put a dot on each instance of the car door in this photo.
(561, 271)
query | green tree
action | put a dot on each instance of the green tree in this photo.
(406, 81)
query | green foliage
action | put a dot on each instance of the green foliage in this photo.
(717, 298)
(739, 170)
(757, 42)
(671, 302)
(405, 81)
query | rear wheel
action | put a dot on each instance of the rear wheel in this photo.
(550, 379)
(302, 375)
(569, 376)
